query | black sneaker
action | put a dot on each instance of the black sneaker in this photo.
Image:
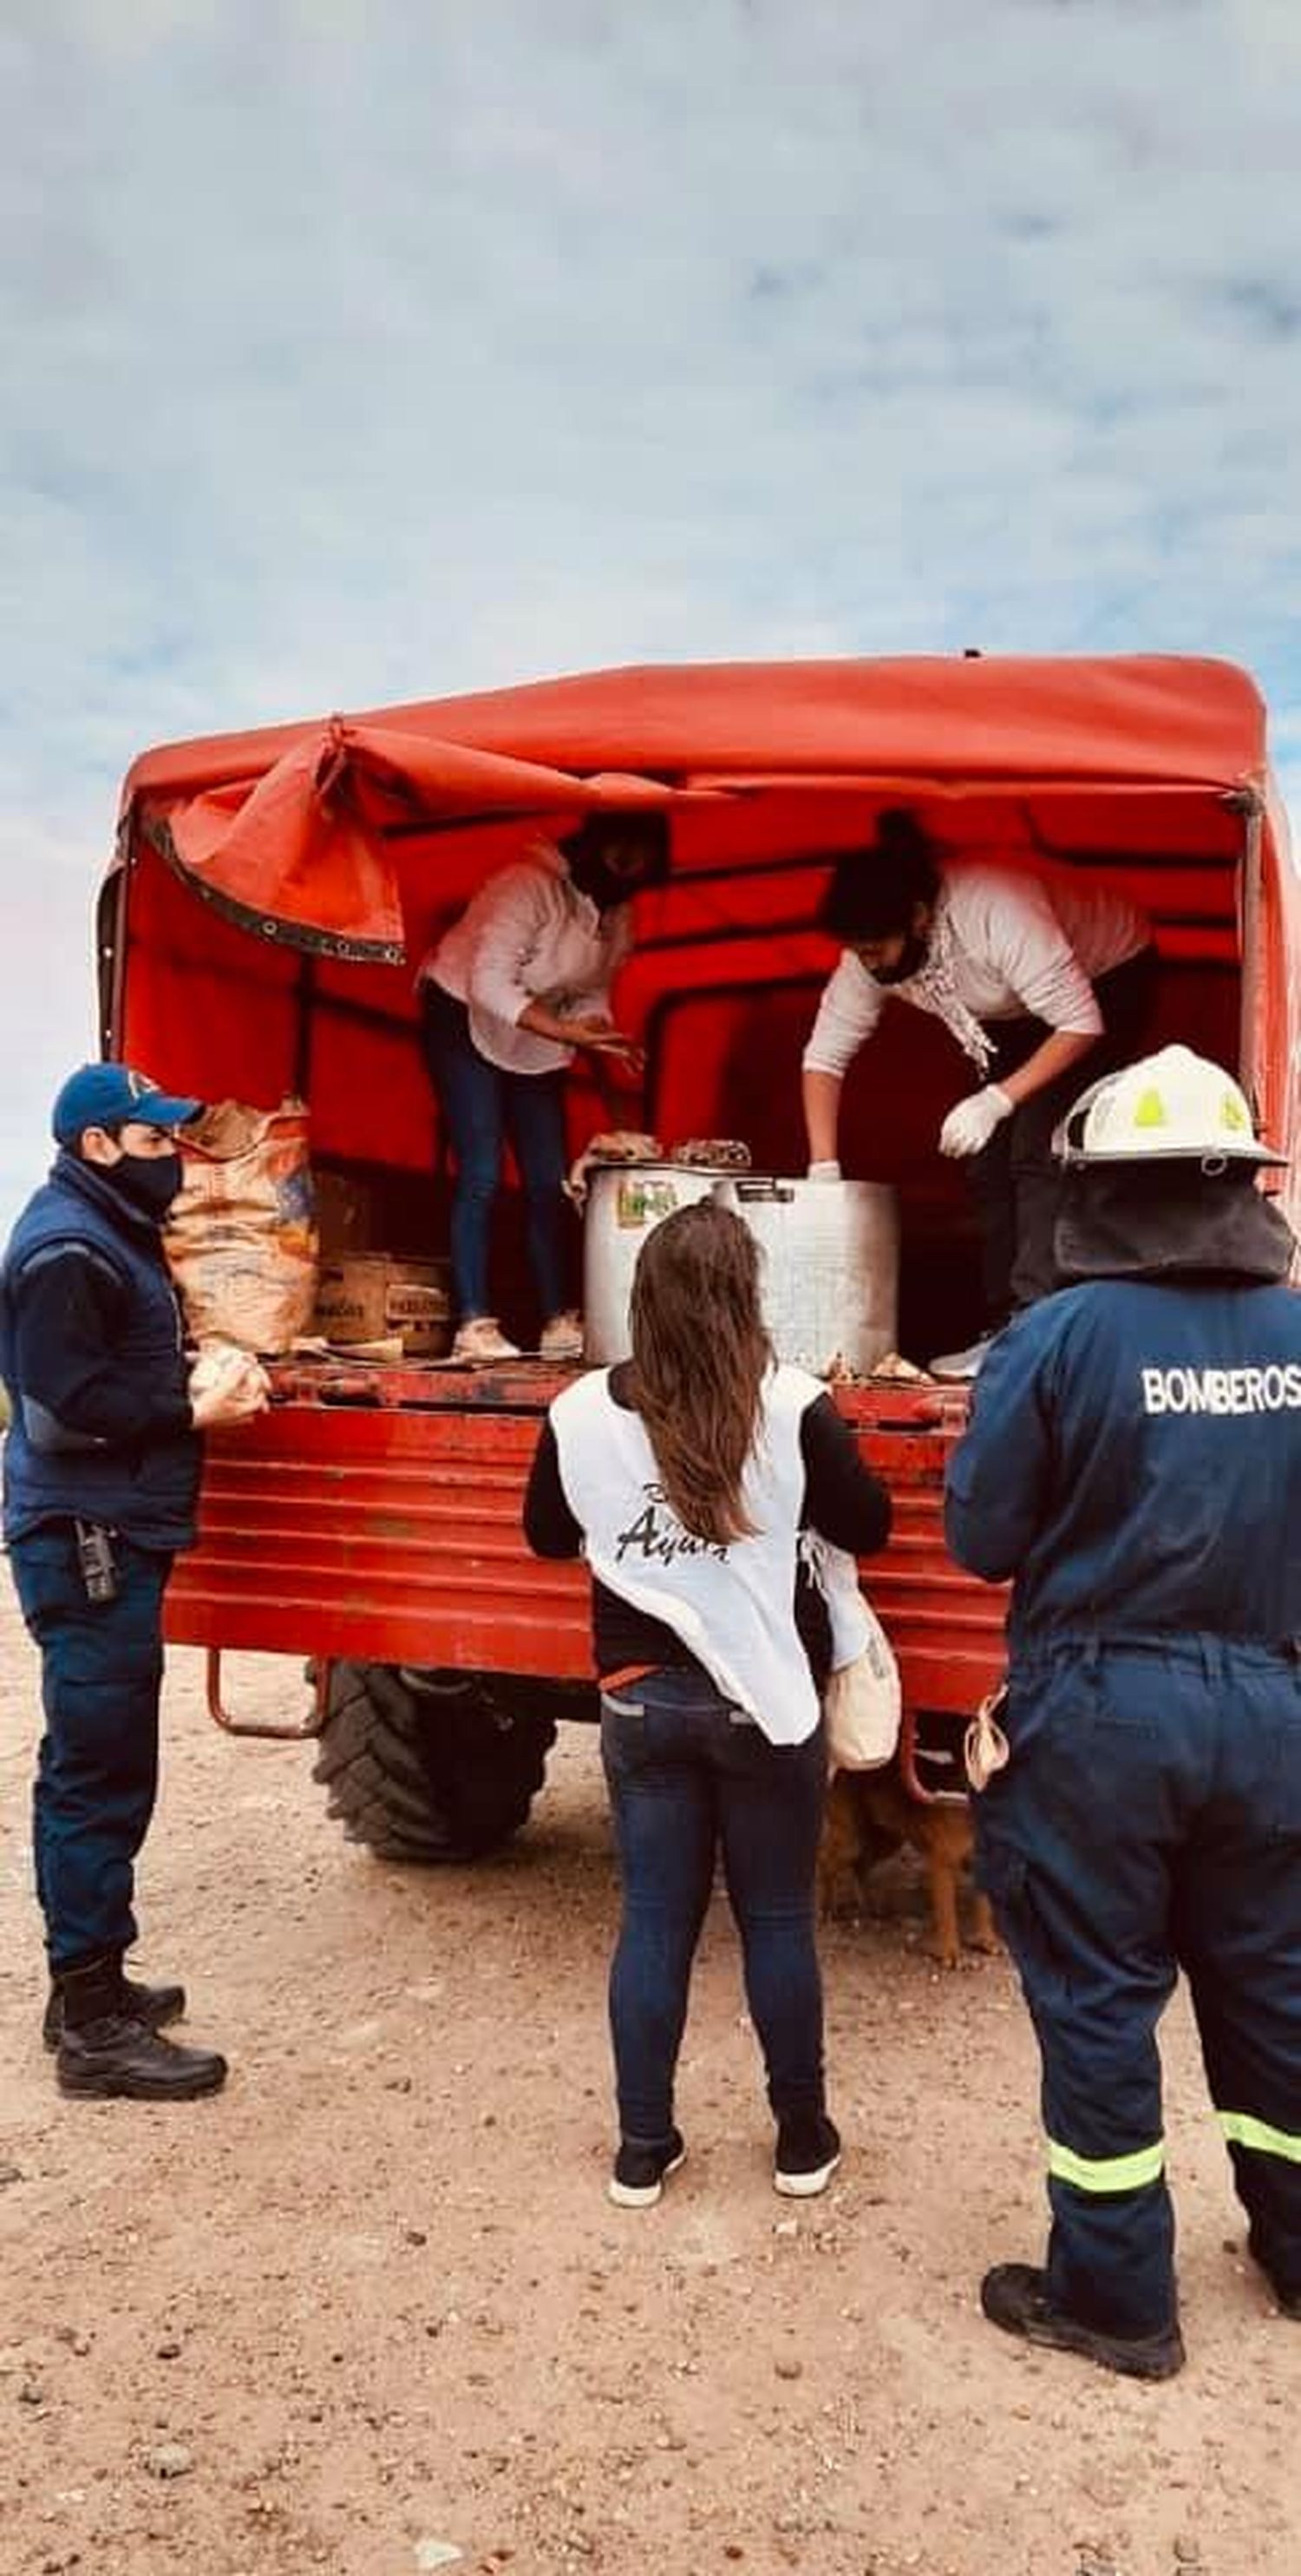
(121, 2059)
(640, 2172)
(808, 2152)
(156, 2006)
(1015, 2297)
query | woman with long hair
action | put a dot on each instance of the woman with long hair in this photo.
(686, 1476)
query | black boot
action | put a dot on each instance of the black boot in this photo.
(1015, 2297)
(156, 2006)
(106, 2051)
(1286, 2296)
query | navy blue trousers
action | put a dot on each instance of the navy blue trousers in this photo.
(97, 1769)
(687, 1777)
(482, 1105)
(1150, 1819)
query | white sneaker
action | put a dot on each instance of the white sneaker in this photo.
(962, 1364)
(562, 1338)
(480, 1340)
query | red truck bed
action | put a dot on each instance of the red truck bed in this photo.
(374, 1513)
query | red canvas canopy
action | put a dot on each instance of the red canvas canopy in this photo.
(291, 828)
(330, 855)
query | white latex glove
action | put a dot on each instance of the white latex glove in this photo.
(971, 1122)
(824, 1172)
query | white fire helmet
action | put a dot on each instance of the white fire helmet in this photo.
(1170, 1107)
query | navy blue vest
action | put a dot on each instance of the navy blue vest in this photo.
(146, 1491)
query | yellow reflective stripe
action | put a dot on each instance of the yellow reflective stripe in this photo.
(1246, 2132)
(1107, 2173)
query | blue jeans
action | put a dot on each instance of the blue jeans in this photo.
(482, 1105)
(97, 1769)
(687, 1775)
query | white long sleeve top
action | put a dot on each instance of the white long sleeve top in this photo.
(529, 935)
(1008, 943)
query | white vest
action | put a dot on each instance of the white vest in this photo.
(732, 1607)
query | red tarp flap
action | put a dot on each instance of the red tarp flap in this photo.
(301, 852)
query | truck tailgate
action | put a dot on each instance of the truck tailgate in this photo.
(375, 1514)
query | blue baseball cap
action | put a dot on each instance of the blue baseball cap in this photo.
(108, 1095)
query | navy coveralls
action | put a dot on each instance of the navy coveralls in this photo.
(91, 1353)
(1134, 1463)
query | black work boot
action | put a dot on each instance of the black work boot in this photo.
(107, 2052)
(156, 2006)
(1015, 2296)
(1286, 2295)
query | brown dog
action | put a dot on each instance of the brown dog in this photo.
(869, 1814)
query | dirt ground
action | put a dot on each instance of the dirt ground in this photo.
(369, 2311)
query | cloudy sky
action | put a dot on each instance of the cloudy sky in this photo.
(362, 349)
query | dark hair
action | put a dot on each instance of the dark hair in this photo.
(700, 1352)
(645, 831)
(873, 890)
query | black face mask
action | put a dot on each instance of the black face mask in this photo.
(916, 949)
(149, 1181)
(601, 884)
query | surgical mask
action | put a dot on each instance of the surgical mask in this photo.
(916, 949)
(149, 1181)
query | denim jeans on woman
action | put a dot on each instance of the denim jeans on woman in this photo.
(483, 1105)
(689, 1776)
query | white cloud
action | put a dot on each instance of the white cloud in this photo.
(368, 352)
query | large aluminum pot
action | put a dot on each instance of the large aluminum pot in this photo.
(831, 1257)
(625, 1201)
(831, 1267)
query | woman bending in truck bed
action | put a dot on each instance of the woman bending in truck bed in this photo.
(517, 985)
(1031, 971)
(685, 1476)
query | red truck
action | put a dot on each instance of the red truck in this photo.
(259, 929)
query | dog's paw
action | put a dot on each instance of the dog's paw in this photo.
(839, 1894)
(983, 1934)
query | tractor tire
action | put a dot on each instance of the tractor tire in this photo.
(428, 1766)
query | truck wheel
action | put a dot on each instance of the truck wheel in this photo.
(427, 1766)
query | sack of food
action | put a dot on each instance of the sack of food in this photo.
(618, 1145)
(712, 1154)
(222, 1368)
(240, 1237)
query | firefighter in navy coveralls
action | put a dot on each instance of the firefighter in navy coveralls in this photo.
(101, 1472)
(1134, 1464)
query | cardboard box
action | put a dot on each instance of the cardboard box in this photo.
(378, 1296)
(345, 1212)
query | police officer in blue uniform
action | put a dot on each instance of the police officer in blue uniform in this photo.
(101, 1472)
(1133, 1463)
